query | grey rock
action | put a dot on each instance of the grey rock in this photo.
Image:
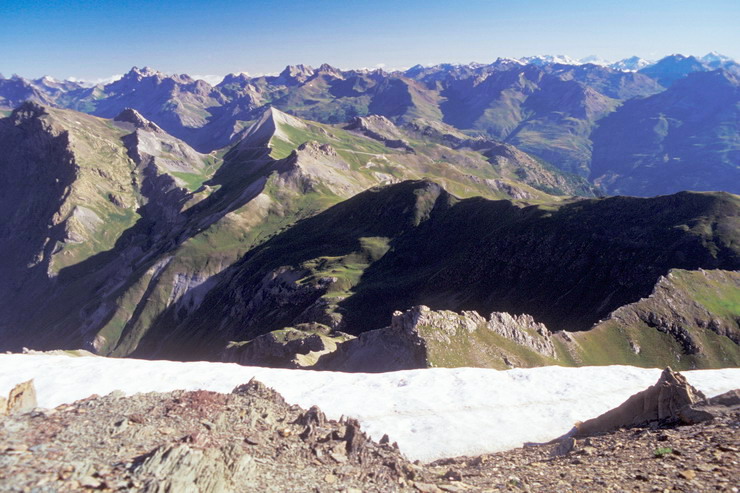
(184, 469)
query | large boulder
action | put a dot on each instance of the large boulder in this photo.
(662, 404)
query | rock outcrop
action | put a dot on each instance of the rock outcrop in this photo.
(382, 129)
(299, 347)
(523, 330)
(398, 347)
(133, 117)
(421, 337)
(186, 469)
(661, 404)
(21, 399)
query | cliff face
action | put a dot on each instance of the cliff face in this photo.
(37, 169)
(108, 199)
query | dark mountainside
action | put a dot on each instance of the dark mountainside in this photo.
(568, 266)
(673, 68)
(551, 110)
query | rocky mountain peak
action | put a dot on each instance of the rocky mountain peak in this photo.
(46, 80)
(327, 69)
(143, 72)
(415, 70)
(130, 115)
(296, 73)
(235, 78)
(675, 62)
(267, 127)
(505, 63)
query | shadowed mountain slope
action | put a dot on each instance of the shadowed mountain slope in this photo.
(388, 249)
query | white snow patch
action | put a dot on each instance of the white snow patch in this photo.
(431, 413)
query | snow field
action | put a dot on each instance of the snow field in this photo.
(431, 413)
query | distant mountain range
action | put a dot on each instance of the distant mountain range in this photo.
(550, 106)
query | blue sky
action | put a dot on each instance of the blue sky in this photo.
(97, 38)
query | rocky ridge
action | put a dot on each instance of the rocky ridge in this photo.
(690, 314)
(675, 314)
(417, 338)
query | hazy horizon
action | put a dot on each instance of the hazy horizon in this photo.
(96, 40)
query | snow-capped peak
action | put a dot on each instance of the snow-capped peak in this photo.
(716, 60)
(549, 59)
(631, 64)
(713, 56)
(507, 62)
(144, 72)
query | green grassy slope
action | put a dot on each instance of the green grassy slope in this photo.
(689, 321)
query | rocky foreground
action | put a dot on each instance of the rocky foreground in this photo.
(252, 440)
